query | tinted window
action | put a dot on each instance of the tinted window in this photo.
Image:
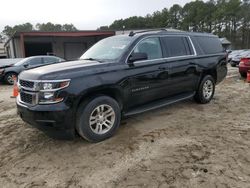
(176, 46)
(210, 45)
(150, 46)
(50, 60)
(35, 61)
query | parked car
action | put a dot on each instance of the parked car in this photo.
(9, 62)
(120, 76)
(8, 72)
(244, 66)
(237, 57)
(232, 54)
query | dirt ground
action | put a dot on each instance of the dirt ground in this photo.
(182, 145)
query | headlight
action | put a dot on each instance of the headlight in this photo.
(50, 91)
(53, 85)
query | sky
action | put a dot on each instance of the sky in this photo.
(84, 14)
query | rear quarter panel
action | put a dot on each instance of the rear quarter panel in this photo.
(214, 63)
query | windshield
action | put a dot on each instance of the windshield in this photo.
(21, 62)
(108, 49)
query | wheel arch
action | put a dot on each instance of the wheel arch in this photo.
(212, 72)
(8, 72)
(111, 91)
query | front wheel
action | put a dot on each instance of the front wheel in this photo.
(206, 89)
(98, 119)
(9, 78)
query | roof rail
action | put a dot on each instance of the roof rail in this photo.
(132, 33)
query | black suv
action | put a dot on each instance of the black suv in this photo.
(120, 76)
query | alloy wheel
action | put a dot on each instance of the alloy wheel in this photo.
(208, 89)
(102, 119)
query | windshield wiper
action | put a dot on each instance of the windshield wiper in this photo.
(93, 59)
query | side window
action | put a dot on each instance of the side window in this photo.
(35, 61)
(176, 46)
(210, 45)
(150, 46)
(50, 60)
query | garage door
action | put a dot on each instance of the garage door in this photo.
(73, 51)
(34, 48)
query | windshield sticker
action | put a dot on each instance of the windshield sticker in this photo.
(119, 47)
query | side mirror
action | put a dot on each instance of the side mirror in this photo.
(26, 65)
(137, 56)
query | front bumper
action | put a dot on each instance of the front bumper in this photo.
(55, 120)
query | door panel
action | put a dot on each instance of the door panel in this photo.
(147, 78)
(183, 76)
(147, 82)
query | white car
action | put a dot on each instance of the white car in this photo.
(234, 58)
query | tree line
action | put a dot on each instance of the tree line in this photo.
(225, 18)
(26, 27)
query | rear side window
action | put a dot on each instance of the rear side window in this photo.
(176, 46)
(209, 45)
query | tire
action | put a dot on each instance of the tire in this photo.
(8, 78)
(233, 64)
(94, 126)
(206, 89)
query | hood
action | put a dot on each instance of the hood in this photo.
(6, 66)
(64, 70)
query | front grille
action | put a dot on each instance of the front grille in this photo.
(26, 84)
(26, 98)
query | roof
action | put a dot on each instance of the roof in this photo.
(120, 32)
(84, 33)
(168, 32)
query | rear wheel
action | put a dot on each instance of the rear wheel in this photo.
(206, 89)
(98, 119)
(9, 78)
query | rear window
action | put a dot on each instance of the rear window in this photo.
(176, 46)
(209, 45)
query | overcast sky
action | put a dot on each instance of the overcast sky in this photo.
(84, 14)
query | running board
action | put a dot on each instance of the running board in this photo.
(159, 103)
